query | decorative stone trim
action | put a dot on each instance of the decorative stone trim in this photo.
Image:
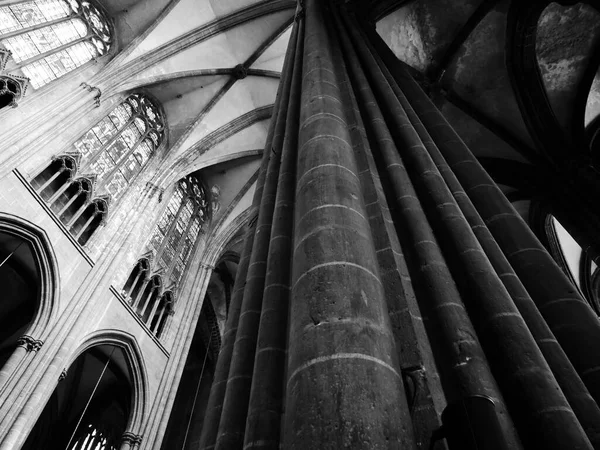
(128, 438)
(30, 344)
(13, 85)
(131, 438)
(89, 88)
(62, 375)
(5, 54)
(154, 189)
(240, 72)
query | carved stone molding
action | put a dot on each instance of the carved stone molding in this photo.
(14, 86)
(62, 375)
(240, 72)
(30, 344)
(90, 88)
(154, 189)
(5, 54)
(130, 438)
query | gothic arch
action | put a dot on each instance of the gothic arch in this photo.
(46, 264)
(136, 364)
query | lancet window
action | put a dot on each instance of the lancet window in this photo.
(49, 38)
(79, 185)
(151, 284)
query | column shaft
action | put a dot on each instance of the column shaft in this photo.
(570, 318)
(539, 408)
(425, 396)
(266, 395)
(344, 389)
(457, 341)
(577, 394)
(214, 406)
(235, 404)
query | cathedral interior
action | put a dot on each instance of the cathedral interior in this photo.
(298, 225)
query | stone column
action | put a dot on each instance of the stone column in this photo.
(210, 427)
(518, 365)
(267, 392)
(344, 387)
(235, 404)
(584, 406)
(25, 344)
(570, 318)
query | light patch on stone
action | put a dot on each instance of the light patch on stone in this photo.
(559, 74)
(592, 109)
(364, 297)
(401, 31)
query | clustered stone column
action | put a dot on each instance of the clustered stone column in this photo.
(387, 279)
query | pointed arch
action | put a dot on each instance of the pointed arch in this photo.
(46, 264)
(135, 363)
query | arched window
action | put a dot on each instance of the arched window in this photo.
(108, 157)
(90, 407)
(119, 146)
(176, 232)
(169, 248)
(48, 38)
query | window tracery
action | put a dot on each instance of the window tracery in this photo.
(108, 157)
(49, 38)
(154, 279)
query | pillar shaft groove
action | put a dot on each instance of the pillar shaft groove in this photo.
(267, 393)
(237, 395)
(538, 406)
(344, 388)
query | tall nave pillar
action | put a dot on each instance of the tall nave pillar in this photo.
(388, 295)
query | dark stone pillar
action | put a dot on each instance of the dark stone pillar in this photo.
(538, 406)
(344, 388)
(214, 407)
(569, 317)
(219, 386)
(467, 370)
(265, 407)
(235, 404)
(576, 393)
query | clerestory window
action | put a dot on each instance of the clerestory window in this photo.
(49, 38)
(117, 148)
(80, 184)
(152, 283)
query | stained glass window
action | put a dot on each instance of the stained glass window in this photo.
(175, 234)
(49, 38)
(117, 148)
